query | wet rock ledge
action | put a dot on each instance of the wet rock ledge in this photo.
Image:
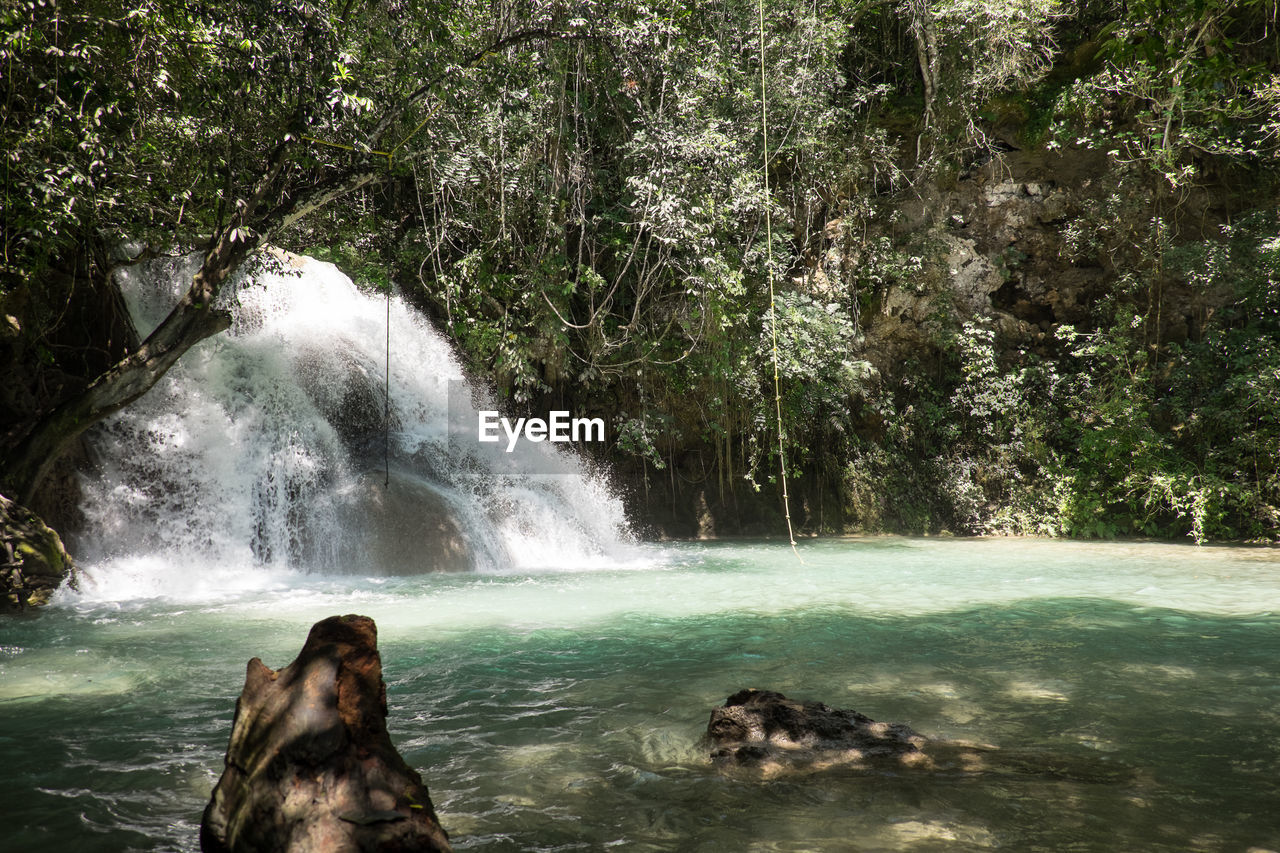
(310, 765)
(33, 562)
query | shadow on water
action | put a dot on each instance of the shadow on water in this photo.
(1117, 727)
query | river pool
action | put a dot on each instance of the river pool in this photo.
(562, 710)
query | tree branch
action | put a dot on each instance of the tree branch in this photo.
(192, 320)
(516, 38)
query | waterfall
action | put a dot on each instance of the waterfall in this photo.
(264, 447)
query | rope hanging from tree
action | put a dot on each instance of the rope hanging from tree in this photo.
(773, 308)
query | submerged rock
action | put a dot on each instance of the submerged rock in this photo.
(761, 733)
(310, 767)
(769, 733)
(33, 561)
(409, 527)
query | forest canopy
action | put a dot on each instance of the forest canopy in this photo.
(575, 192)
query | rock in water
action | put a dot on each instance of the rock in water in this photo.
(33, 562)
(310, 767)
(407, 529)
(767, 732)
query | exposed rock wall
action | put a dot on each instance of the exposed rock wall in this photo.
(57, 333)
(1025, 242)
(1019, 245)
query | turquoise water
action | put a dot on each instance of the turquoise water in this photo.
(1131, 690)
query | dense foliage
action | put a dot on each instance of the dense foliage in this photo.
(576, 192)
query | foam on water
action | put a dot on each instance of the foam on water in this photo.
(881, 576)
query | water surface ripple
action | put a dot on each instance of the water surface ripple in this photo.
(1131, 690)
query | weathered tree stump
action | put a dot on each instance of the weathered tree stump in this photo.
(310, 767)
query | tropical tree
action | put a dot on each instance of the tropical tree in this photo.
(232, 120)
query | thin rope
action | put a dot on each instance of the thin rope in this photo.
(773, 307)
(386, 404)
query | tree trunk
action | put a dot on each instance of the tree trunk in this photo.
(926, 36)
(192, 320)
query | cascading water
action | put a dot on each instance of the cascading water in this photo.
(263, 450)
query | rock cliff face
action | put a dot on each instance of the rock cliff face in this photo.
(1009, 267)
(310, 767)
(1025, 242)
(1018, 245)
(56, 334)
(407, 528)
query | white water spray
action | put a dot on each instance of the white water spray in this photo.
(261, 452)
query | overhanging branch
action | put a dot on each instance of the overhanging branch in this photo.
(516, 38)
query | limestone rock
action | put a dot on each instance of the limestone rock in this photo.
(33, 561)
(310, 767)
(765, 731)
(407, 528)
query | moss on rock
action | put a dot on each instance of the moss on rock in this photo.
(33, 561)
